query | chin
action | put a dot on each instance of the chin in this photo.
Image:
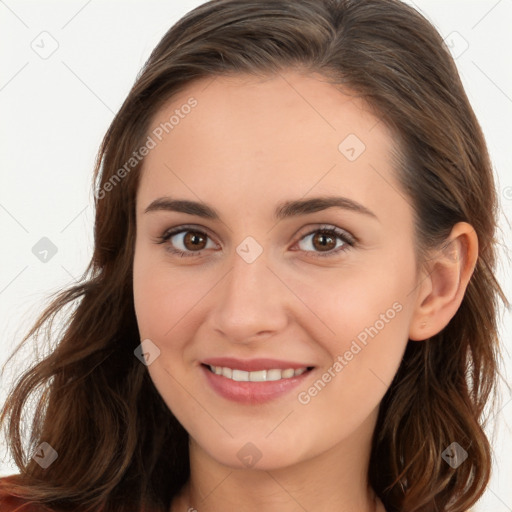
(260, 454)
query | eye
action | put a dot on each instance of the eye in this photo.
(326, 241)
(186, 241)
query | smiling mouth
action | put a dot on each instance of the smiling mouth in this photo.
(270, 375)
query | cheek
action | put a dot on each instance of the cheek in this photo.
(164, 301)
(358, 302)
(368, 310)
(163, 296)
(365, 317)
(370, 327)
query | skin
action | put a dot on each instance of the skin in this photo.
(250, 144)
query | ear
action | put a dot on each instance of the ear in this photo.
(444, 282)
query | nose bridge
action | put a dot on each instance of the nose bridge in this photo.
(251, 302)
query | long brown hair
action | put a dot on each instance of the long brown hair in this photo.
(119, 446)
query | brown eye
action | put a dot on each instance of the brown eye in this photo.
(194, 240)
(326, 241)
(323, 241)
(186, 241)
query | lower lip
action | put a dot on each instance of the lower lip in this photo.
(252, 392)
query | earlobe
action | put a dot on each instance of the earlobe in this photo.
(444, 283)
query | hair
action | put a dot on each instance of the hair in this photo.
(119, 446)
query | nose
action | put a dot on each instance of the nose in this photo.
(252, 303)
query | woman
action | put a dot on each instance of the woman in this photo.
(291, 303)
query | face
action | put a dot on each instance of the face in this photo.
(280, 294)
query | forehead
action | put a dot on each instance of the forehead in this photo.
(287, 133)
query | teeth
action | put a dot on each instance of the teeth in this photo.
(240, 376)
(288, 373)
(260, 376)
(274, 374)
(257, 376)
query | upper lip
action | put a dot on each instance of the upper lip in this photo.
(253, 365)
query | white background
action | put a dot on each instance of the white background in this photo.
(54, 112)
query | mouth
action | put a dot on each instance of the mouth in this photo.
(253, 382)
(269, 375)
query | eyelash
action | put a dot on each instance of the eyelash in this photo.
(345, 237)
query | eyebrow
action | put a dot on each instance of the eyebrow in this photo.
(284, 210)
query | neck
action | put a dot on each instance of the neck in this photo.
(274, 496)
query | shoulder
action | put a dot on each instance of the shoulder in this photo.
(10, 503)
